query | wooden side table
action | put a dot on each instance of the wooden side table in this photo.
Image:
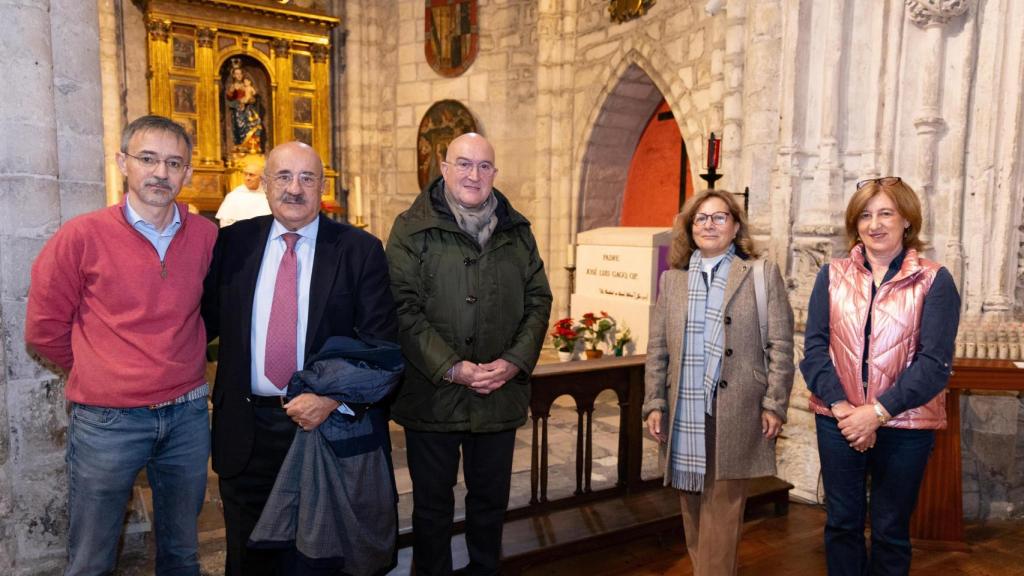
(938, 521)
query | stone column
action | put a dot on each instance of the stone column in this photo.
(828, 178)
(732, 107)
(555, 226)
(929, 121)
(51, 160)
(112, 83)
(787, 174)
(29, 212)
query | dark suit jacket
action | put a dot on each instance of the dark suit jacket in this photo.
(349, 294)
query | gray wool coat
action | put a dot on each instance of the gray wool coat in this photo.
(741, 450)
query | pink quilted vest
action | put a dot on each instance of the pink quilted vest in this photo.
(895, 331)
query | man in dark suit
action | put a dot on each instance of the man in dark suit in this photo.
(278, 288)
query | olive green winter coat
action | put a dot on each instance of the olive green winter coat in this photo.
(458, 302)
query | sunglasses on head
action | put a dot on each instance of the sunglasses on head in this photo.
(886, 181)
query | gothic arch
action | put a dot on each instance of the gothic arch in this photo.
(631, 89)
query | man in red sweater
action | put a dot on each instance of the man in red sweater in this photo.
(114, 302)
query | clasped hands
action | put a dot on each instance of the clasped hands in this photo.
(484, 378)
(858, 424)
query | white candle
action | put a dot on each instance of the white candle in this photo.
(357, 200)
(571, 256)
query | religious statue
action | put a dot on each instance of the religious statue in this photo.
(246, 110)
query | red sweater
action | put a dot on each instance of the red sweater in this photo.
(99, 308)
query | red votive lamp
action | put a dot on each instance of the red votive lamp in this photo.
(714, 150)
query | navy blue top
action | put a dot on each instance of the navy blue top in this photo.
(926, 376)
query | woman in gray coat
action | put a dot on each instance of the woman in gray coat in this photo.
(710, 400)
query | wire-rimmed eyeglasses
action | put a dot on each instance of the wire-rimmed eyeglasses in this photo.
(307, 180)
(174, 164)
(484, 168)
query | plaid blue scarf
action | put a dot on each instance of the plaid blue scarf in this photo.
(702, 362)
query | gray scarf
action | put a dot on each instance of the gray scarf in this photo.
(703, 343)
(477, 221)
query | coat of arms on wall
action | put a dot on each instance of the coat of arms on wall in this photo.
(452, 38)
(626, 10)
(443, 122)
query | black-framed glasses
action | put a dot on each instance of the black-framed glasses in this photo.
(307, 180)
(174, 164)
(718, 218)
(884, 181)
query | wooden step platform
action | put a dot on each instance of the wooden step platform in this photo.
(556, 534)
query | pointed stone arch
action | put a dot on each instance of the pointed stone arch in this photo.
(632, 87)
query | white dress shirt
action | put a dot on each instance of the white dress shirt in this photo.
(305, 249)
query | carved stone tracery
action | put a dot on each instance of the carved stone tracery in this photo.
(935, 12)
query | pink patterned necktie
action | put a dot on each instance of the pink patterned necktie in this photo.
(279, 358)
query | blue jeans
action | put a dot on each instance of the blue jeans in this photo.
(106, 449)
(896, 465)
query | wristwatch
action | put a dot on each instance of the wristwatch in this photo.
(882, 418)
(449, 376)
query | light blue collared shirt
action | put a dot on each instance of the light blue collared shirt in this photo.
(305, 249)
(159, 239)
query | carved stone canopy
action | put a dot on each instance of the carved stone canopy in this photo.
(935, 12)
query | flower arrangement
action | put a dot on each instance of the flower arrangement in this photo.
(564, 335)
(620, 342)
(595, 329)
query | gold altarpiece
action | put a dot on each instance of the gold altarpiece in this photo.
(240, 77)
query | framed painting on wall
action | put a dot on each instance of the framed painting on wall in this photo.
(301, 68)
(184, 97)
(452, 35)
(183, 51)
(302, 110)
(302, 134)
(443, 122)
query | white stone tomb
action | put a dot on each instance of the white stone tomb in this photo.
(617, 271)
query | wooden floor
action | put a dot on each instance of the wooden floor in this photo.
(792, 545)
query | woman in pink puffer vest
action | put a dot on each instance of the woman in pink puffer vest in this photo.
(878, 352)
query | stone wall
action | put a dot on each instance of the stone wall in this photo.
(993, 455)
(51, 169)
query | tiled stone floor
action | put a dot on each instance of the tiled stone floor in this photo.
(138, 556)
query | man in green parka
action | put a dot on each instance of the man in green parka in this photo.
(473, 305)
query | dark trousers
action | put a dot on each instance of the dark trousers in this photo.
(896, 466)
(433, 459)
(246, 494)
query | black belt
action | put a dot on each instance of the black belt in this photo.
(267, 401)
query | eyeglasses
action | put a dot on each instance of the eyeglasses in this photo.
(306, 180)
(886, 181)
(718, 218)
(174, 164)
(484, 168)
